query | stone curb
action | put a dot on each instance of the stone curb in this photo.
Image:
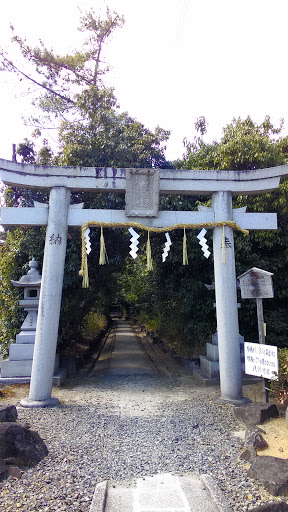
(215, 493)
(99, 498)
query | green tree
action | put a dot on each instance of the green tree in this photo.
(248, 145)
(92, 132)
(66, 82)
(113, 140)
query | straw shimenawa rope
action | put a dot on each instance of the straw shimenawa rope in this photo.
(185, 254)
(84, 266)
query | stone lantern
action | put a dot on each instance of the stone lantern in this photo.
(31, 284)
(18, 367)
(21, 352)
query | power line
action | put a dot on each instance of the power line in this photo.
(183, 14)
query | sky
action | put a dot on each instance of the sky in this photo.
(173, 61)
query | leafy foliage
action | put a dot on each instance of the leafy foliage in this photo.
(64, 81)
(114, 140)
(92, 324)
(172, 299)
(279, 388)
(246, 145)
(92, 133)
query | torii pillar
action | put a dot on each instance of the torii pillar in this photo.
(226, 299)
(59, 215)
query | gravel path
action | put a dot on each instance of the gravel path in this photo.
(118, 428)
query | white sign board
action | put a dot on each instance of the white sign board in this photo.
(261, 360)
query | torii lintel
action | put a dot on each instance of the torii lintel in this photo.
(104, 179)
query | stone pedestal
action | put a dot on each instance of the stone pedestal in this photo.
(209, 371)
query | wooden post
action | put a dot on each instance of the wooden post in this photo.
(14, 159)
(261, 330)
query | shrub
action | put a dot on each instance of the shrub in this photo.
(92, 324)
(279, 388)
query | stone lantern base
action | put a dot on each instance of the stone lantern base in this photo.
(17, 369)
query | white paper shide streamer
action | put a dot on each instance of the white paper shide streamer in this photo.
(203, 243)
(166, 247)
(134, 243)
(87, 241)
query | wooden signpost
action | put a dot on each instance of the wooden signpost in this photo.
(257, 284)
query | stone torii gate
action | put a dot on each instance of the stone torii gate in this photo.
(142, 187)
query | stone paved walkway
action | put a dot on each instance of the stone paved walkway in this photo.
(128, 358)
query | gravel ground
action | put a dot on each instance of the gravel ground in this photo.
(119, 428)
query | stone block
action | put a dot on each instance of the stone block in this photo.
(256, 413)
(204, 380)
(212, 352)
(142, 192)
(8, 413)
(216, 495)
(3, 470)
(25, 337)
(59, 377)
(56, 365)
(21, 446)
(99, 498)
(272, 472)
(272, 506)
(22, 368)
(209, 368)
(19, 352)
(16, 368)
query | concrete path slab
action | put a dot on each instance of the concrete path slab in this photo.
(169, 493)
(127, 357)
(163, 493)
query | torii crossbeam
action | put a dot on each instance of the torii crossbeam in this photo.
(142, 187)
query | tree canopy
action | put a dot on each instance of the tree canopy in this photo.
(92, 131)
(247, 145)
(65, 82)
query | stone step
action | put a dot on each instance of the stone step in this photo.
(19, 352)
(209, 368)
(161, 493)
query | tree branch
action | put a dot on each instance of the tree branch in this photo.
(16, 70)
